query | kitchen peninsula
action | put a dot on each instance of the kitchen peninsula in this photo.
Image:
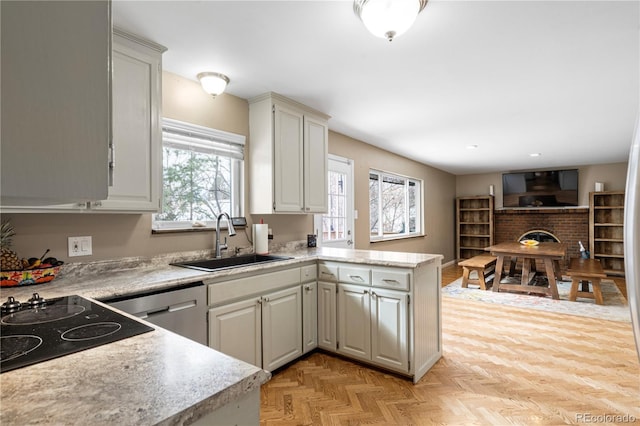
(162, 378)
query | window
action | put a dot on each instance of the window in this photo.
(394, 206)
(202, 171)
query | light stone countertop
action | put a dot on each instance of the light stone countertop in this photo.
(156, 377)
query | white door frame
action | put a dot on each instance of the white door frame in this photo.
(344, 165)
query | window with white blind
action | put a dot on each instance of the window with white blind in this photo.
(394, 206)
(202, 174)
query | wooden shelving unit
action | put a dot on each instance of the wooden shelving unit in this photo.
(606, 222)
(474, 225)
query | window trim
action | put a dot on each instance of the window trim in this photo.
(419, 206)
(203, 139)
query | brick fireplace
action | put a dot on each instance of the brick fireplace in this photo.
(570, 225)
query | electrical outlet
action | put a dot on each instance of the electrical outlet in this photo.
(80, 246)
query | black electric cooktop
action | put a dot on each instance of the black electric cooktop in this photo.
(38, 330)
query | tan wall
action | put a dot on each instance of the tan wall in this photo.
(439, 194)
(612, 175)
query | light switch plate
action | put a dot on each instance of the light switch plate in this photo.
(80, 246)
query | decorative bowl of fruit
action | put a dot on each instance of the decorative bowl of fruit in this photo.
(15, 271)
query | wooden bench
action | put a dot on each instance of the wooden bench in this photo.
(582, 271)
(483, 265)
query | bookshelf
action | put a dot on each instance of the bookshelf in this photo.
(474, 225)
(606, 230)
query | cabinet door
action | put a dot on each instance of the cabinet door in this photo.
(288, 160)
(234, 329)
(389, 329)
(309, 316)
(354, 321)
(281, 327)
(56, 97)
(137, 136)
(316, 165)
(327, 316)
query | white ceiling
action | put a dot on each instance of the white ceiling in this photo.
(558, 78)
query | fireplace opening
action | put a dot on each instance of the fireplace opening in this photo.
(540, 235)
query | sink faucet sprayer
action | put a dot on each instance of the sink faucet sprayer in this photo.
(232, 232)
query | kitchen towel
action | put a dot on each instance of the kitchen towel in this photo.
(261, 238)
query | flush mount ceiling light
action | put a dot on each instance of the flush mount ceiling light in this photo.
(213, 83)
(388, 18)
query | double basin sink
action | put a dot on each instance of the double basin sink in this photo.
(211, 265)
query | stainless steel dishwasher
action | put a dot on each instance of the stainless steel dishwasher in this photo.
(182, 310)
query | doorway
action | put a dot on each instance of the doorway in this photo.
(336, 227)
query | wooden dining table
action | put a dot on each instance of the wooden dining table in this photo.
(550, 254)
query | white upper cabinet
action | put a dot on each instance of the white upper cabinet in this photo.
(137, 132)
(288, 156)
(56, 101)
(135, 148)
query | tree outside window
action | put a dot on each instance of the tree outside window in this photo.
(196, 186)
(394, 206)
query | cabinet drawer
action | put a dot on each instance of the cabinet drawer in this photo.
(327, 272)
(248, 286)
(308, 273)
(354, 275)
(397, 279)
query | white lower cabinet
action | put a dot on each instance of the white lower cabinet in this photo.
(281, 327)
(374, 325)
(265, 331)
(309, 316)
(235, 329)
(327, 316)
(354, 319)
(390, 329)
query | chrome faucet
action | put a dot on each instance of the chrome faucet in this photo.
(232, 232)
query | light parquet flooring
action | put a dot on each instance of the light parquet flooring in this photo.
(500, 366)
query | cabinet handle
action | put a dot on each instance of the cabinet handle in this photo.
(373, 293)
(259, 301)
(386, 280)
(366, 292)
(356, 278)
(308, 288)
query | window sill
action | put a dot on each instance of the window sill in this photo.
(178, 230)
(395, 237)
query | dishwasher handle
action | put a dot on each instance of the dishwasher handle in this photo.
(172, 308)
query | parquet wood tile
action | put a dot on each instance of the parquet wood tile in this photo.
(501, 366)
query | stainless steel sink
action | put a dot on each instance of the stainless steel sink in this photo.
(210, 265)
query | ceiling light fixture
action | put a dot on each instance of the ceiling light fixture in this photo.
(388, 18)
(472, 146)
(213, 83)
(535, 154)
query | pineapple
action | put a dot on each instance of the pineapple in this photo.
(9, 260)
